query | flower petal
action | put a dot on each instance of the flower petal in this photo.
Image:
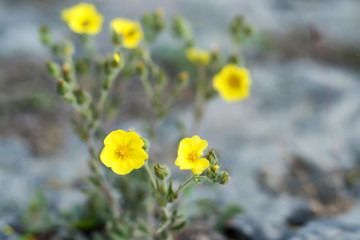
(200, 166)
(137, 158)
(115, 138)
(133, 140)
(108, 156)
(122, 167)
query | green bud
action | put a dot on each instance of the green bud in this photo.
(81, 96)
(62, 87)
(181, 29)
(235, 59)
(53, 69)
(214, 55)
(161, 188)
(183, 78)
(159, 23)
(45, 35)
(161, 171)
(81, 66)
(116, 39)
(66, 72)
(140, 68)
(211, 156)
(224, 177)
(116, 61)
(146, 144)
(210, 174)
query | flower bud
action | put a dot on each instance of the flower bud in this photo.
(116, 61)
(161, 171)
(214, 55)
(183, 78)
(62, 87)
(116, 39)
(235, 59)
(210, 174)
(224, 177)
(159, 13)
(211, 156)
(45, 35)
(81, 96)
(140, 68)
(66, 72)
(161, 188)
(181, 29)
(159, 23)
(146, 144)
(53, 69)
(81, 66)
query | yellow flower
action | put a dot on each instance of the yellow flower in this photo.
(129, 30)
(189, 155)
(198, 56)
(123, 152)
(233, 83)
(83, 18)
(116, 57)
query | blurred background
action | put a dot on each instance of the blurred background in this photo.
(292, 148)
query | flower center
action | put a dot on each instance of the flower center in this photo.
(122, 152)
(192, 157)
(234, 82)
(130, 33)
(86, 23)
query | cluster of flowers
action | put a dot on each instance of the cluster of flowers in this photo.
(124, 151)
(232, 82)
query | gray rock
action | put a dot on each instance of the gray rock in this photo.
(328, 229)
(269, 222)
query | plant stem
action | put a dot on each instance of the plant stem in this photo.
(151, 176)
(185, 185)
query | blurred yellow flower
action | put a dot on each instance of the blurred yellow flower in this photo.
(189, 155)
(116, 57)
(83, 18)
(129, 30)
(123, 152)
(233, 83)
(198, 56)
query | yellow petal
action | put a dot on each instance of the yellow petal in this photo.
(108, 156)
(122, 167)
(199, 143)
(133, 140)
(115, 138)
(200, 166)
(137, 158)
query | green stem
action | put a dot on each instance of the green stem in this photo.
(151, 176)
(185, 185)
